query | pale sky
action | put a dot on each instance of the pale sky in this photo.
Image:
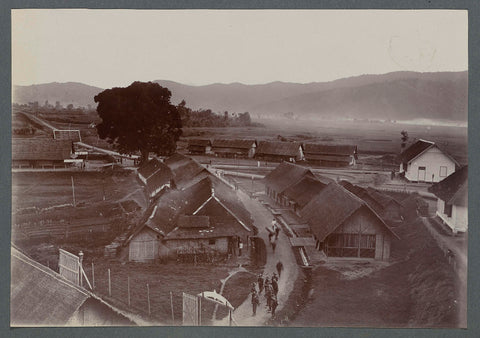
(108, 48)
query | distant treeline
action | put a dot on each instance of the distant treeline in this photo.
(208, 118)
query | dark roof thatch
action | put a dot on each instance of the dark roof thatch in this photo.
(186, 171)
(334, 150)
(278, 148)
(40, 296)
(38, 149)
(331, 208)
(187, 221)
(454, 188)
(162, 176)
(149, 168)
(383, 199)
(415, 149)
(303, 191)
(199, 142)
(235, 144)
(73, 135)
(285, 175)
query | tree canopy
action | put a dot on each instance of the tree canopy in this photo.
(139, 117)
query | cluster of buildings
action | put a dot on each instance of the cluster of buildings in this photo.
(191, 213)
(328, 155)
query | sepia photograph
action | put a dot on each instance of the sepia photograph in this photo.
(246, 168)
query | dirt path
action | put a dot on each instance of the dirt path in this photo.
(262, 218)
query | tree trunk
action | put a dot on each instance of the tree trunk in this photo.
(144, 156)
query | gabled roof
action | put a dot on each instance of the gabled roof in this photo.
(376, 200)
(37, 149)
(233, 143)
(325, 149)
(415, 150)
(278, 148)
(454, 188)
(331, 208)
(187, 221)
(303, 191)
(285, 175)
(199, 142)
(149, 168)
(175, 204)
(383, 199)
(73, 135)
(39, 296)
(161, 177)
(186, 170)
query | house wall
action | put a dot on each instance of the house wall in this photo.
(432, 160)
(142, 178)
(459, 219)
(144, 246)
(220, 244)
(364, 222)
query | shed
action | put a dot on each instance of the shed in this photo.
(241, 148)
(199, 146)
(331, 155)
(452, 200)
(279, 151)
(41, 152)
(345, 226)
(282, 177)
(424, 161)
(40, 296)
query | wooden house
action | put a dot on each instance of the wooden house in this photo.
(345, 226)
(279, 151)
(159, 181)
(331, 155)
(41, 152)
(148, 169)
(239, 148)
(424, 161)
(452, 200)
(302, 192)
(282, 177)
(201, 218)
(40, 296)
(185, 170)
(199, 146)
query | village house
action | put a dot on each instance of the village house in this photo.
(424, 161)
(148, 169)
(199, 146)
(299, 194)
(69, 134)
(279, 151)
(159, 181)
(331, 155)
(40, 296)
(204, 218)
(186, 171)
(452, 200)
(387, 207)
(345, 226)
(42, 153)
(240, 148)
(282, 177)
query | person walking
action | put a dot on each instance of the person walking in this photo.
(279, 268)
(273, 243)
(274, 286)
(260, 283)
(255, 301)
(274, 304)
(268, 293)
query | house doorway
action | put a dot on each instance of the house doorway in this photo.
(422, 173)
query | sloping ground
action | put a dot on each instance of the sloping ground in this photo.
(418, 290)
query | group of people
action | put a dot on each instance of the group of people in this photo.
(270, 285)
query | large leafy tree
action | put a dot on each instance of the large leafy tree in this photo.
(139, 117)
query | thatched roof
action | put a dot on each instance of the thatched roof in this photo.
(331, 208)
(234, 143)
(199, 143)
(161, 177)
(285, 175)
(325, 149)
(149, 168)
(278, 148)
(38, 149)
(39, 296)
(303, 191)
(454, 188)
(415, 149)
(187, 221)
(383, 199)
(186, 171)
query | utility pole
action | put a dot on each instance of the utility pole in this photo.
(73, 192)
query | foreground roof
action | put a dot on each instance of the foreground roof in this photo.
(303, 191)
(39, 296)
(278, 148)
(454, 188)
(186, 170)
(149, 168)
(37, 149)
(285, 175)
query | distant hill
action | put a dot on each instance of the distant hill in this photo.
(394, 96)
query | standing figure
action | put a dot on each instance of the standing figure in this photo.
(268, 293)
(279, 268)
(274, 304)
(273, 243)
(240, 247)
(274, 286)
(255, 301)
(260, 283)
(277, 231)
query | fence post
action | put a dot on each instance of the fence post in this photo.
(109, 284)
(148, 299)
(128, 289)
(171, 305)
(93, 275)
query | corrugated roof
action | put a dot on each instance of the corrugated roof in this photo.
(454, 188)
(415, 149)
(278, 148)
(325, 149)
(233, 143)
(39, 296)
(37, 149)
(303, 191)
(285, 175)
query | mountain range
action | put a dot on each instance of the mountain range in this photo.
(392, 96)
